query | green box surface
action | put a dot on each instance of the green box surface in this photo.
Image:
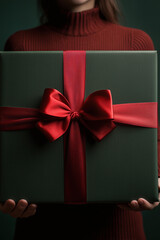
(120, 168)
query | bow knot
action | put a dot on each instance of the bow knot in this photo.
(74, 115)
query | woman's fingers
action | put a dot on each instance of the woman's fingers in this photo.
(8, 206)
(142, 204)
(19, 208)
(30, 211)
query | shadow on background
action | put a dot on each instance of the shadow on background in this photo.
(18, 15)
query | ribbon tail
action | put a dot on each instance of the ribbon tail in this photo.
(15, 118)
(100, 128)
(75, 164)
(138, 114)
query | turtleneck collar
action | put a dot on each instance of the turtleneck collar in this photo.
(77, 23)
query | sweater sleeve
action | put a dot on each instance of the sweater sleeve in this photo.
(142, 41)
(15, 42)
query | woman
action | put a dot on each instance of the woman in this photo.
(79, 25)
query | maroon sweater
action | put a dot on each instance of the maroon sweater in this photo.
(84, 30)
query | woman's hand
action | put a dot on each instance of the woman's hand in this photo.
(21, 210)
(141, 204)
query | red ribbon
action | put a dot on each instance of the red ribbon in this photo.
(96, 113)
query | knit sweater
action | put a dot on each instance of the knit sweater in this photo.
(86, 30)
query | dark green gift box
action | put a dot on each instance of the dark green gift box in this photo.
(120, 168)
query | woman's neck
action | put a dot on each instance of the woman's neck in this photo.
(76, 7)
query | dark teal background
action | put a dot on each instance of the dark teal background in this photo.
(17, 15)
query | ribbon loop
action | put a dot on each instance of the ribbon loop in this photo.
(98, 106)
(54, 103)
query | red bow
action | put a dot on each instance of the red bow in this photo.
(96, 114)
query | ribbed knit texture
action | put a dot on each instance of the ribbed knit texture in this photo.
(86, 30)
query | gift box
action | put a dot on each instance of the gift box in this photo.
(78, 127)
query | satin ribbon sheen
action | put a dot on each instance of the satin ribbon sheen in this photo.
(70, 114)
